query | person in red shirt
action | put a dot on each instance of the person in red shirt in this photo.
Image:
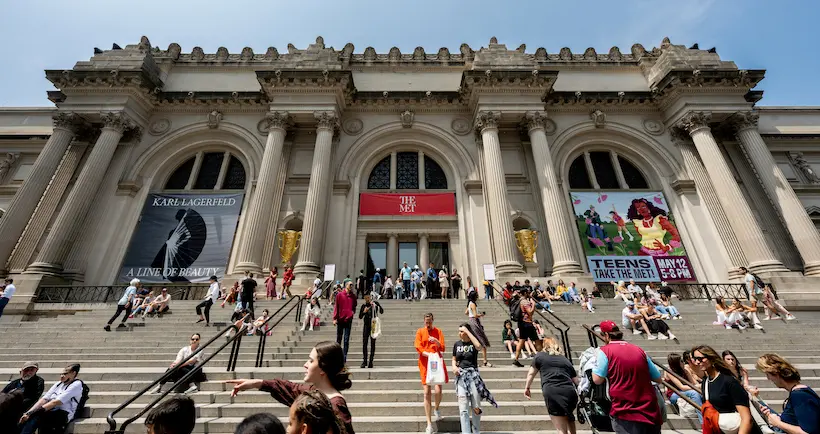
(630, 373)
(430, 340)
(287, 280)
(343, 310)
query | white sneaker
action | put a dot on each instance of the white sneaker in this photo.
(302, 329)
(767, 318)
(636, 332)
(311, 328)
(741, 326)
(665, 316)
(512, 356)
(192, 389)
(651, 337)
(790, 318)
(429, 430)
(728, 327)
(679, 317)
(758, 326)
(672, 337)
(157, 391)
(523, 356)
(543, 311)
(436, 415)
(662, 337)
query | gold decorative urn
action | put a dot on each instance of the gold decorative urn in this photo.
(288, 244)
(527, 242)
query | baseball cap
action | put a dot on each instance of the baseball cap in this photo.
(608, 326)
(630, 303)
(30, 365)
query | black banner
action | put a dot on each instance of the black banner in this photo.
(182, 238)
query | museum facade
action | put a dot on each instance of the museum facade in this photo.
(171, 166)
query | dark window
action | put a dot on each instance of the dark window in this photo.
(634, 178)
(380, 175)
(434, 178)
(235, 178)
(209, 171)
(407, 171)
(179, 179)
(578, 175)
(604, 171)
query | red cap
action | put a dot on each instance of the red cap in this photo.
(608, 326)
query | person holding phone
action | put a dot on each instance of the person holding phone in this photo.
(801, 411)
(475, 325)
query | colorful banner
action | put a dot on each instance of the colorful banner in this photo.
(182, 238)
(630, 235)
(412, 204)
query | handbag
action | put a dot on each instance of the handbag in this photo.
(729, 423)
(375, 328)
(435, 370)
(686, 409)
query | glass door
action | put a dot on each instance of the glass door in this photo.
(408, 252)
(440, 255)
(376, 258)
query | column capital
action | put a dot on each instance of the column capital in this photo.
(487, 120)
(69, 121)
(424, 235)
(327, 120)
(694, 121)
(680, 137)
(117, 121)
(279, 120)
(534, 120)
(392, 235)
(744, 120)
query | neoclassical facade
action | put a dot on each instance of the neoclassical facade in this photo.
(381, 159)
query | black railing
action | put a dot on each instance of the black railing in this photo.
(112, 423)
(263, 337)
(112, 293)
(594, 337)
(695, 291)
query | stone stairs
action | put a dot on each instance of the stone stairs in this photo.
(386, 398)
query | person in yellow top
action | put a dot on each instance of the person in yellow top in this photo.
(429, 340)
(561, 291)
(652, 224)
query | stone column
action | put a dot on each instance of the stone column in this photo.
(710, 198)
(802, 230)
(28, 195)
(561, 226)
(314, 223)
(424, 252)
(393, 169)
(486, 123)
(64, 231)
(392, 255)
(258, 216)
(749, 235)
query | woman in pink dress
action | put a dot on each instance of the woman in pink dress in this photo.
(270, 284)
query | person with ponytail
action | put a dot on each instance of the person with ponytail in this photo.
(722, 390)
(325, 371)
(313, 413)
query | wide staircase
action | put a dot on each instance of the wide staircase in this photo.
(387, 398)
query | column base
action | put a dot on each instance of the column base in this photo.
(509, 269)
(567, 268)
(770, 266)
(812, 269)
(247, 266)
(736, 274)
(306, 270)
(45, 268)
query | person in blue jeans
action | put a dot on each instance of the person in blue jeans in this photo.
(488, 290)
(675, 363)
(405, 273)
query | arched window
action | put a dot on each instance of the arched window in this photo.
(407, 173)
(208, 171)
(610, 171)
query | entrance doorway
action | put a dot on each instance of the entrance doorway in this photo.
(440, 255)
(376, 258)
(408, 252)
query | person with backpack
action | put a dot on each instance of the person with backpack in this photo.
(52, 413)
(521, 310)
(801, 411)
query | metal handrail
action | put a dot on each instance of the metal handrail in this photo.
(595, 336)
(699, 291)
(112, 423)
(110, 293)
(263, 338)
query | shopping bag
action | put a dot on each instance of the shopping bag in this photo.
(375, 328)
(435, 370)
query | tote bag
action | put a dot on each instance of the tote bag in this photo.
(375, 328)
(435, 370)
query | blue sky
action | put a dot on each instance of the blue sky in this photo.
(779, 36)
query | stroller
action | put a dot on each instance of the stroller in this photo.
(593, 400)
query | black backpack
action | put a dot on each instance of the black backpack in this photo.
(758, 281)
(516, 314)
(83, 400)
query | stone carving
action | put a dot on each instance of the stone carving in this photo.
(369, 54)
(467, 53)
(653, 126)
(679, 136)
(694, 121)
(460, 126)
(590, 54)
(221, 54)
(744, 120)
(541, 54)
(292, 49)
(407, 118)
(487, 119)
(443, 54)
(666, 43)
(326, 120)
(598, 118)
(117, 121)
(534, 119)
(174, 50)
(272, 54)
(418, 54)
(347, 51)
(144, 44)
(521, 48)
(197, 54)
(493, 41)
(638, 51)
(159, 127)
(247, 54)
(214, 118)
(7, 163)
(68, 120)
(615, 54)
(352, 126)
(565, 54)
(280, 120)
(394, 55)
(801, 165)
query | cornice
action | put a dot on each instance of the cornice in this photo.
(677, 83)
(193, 102)
(624, 102)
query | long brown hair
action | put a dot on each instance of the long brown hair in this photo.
(332, 362)
(714, 358)
(313, 409)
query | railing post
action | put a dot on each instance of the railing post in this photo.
(706, 291)
(745, 291)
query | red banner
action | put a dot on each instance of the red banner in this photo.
(412, 204)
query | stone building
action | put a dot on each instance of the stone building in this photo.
(380, 159)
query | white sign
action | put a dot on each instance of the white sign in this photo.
(489, 271)
(330, 272)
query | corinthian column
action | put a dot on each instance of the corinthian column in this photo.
(313, 227)
(64, 231)
(29, 194)
(258, 217)
(561, 226)
(802, 230)
(748, 233)
(486, 123)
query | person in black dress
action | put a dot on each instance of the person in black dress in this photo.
(558, 380)
(366, 313)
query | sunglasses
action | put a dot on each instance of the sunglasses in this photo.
(699, 359)
(194, 339)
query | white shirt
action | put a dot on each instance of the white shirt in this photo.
(748, 278)
(634, 288)
(162, 298)
(68, 394)
(184, 352)
(129, 292)
(317, 282)
(9, 291)
(213, 292)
